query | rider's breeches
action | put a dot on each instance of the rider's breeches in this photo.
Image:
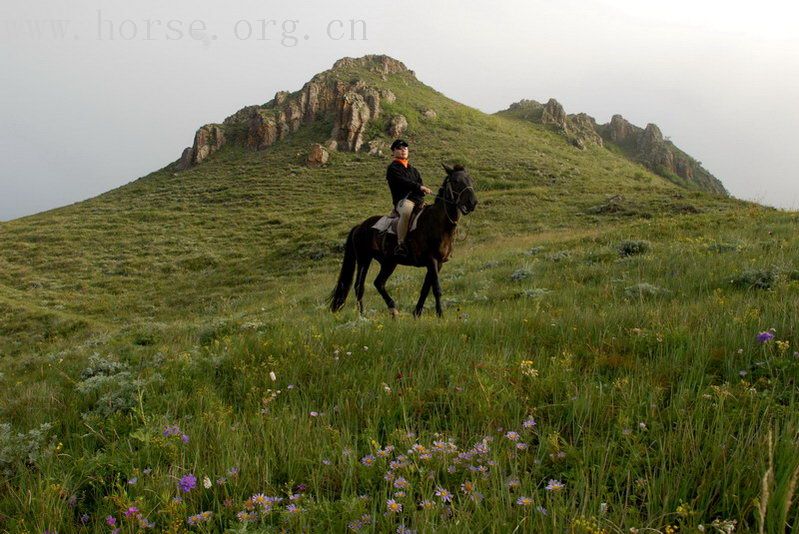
(404, 208)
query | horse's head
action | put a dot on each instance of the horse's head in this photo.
(458, 188)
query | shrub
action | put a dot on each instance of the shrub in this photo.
(755, 279)
(644, 290)
(632, 247)
(23, 449)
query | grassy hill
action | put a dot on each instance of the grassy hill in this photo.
(176, 326)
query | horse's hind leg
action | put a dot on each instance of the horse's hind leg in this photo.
(386, 269)
(363, 268)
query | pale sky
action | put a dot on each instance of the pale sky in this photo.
(82, 113)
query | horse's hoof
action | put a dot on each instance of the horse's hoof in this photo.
(394, 312)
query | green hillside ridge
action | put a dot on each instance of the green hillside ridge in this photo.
(616, 308)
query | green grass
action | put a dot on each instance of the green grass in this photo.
(169, 301)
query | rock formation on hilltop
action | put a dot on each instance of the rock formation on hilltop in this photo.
(643, 145)
(349, 104)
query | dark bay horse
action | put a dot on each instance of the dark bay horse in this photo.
(429, 245)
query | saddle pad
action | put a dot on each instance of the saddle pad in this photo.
(389, 222)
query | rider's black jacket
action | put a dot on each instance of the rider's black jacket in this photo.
(404, 182)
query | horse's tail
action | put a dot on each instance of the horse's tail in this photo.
(339, 294)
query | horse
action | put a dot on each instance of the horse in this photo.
(429, 245)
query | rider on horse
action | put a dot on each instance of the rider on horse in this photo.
(407, 190)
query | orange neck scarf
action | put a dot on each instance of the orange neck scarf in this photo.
(403, 162)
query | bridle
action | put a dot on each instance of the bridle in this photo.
(447, 186)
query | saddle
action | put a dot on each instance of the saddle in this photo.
(388, 223)
(387, 226)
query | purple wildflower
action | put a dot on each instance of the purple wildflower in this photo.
(393, 506)
(110, 521)
(765, 337)
(132, 511)
(187, 483)
(524, 501)
(529, 423)
(443, 494)
(555, 485)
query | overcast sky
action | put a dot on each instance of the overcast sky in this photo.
(91, 100)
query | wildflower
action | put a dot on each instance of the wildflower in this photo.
(393, 506)
(541, 510)
(782, 346)
(325, 461)
(476, 496)
(514, 483)
(399, 494)
(132, 481)
(184, 438)
(468, 487)
(272, 376)
(196, 519)
(207, 482)
(110, 521)
(427, 505)
(555, 485)
(171, 430)
(401, 483)
(521, 446)
(524, 501)
(527, 369)
(443, 494)
(247, 517)
(314, 414)
(402, 529)
(131, 512)
(84, 519)
(419, 449)
(233, 471)
(187, 483)
(294, 509)
(513, 436)
(765, 337)
(368, 460)
(450, 469)
(529, 423)
(221, 481)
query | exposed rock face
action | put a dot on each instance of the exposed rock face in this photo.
(554, 114)
(350, 104)
(318, 155)
(397, 125)
(643, 145)
(578, 129)
(351, 120)
(429, 114)
(207, 140)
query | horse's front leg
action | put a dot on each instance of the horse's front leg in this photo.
(434, 281)
(423, 295)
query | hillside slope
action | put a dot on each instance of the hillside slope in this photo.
(617, 351)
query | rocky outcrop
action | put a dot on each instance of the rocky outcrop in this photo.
(376, 147)
(578, 129)
(397, 125)
(318, 155)
(335, 95)
(207, 140)
(429, 114)
(642, 145)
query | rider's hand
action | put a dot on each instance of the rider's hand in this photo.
(426, 190)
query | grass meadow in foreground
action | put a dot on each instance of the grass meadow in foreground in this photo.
(634, 378)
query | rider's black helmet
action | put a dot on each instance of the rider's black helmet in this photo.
(398, 144)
